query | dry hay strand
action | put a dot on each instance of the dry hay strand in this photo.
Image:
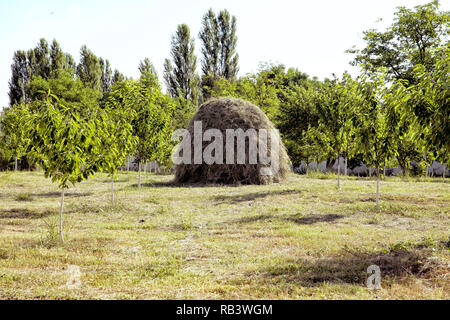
(232, 113)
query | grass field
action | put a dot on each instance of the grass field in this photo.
(302, 239)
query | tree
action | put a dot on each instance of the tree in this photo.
(13, 130)
(429, 103)
(117, 139)
(106, 77)
(71, 92)
(228, 65)
(70, 64)
(89, 70)
(117, 77)
(296, 116)
(65, 144)
(146, 66)
(42, 60)
(19, 78)
(335, 109)
(153, 123)
(180, 74)
(412, 39)
(219, 41)
(57, 59)
(377, 121)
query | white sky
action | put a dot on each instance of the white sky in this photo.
(309, 35)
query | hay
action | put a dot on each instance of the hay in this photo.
(232, 113)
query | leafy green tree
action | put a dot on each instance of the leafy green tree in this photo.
(71, 92)
(219, 56)
(106, 77)
(70, 64)
(65, 143)
(19, 78)
(209, 36)
(296, 116)
(42, 60)
(335, 109)
(89, 70)
(57, 59)
(146, 66)
(314, 146)
(429, 102)
(377, 121)
(13, 130)
(153, 123)
(180, 74)
(228, 63)
(117, 77)
(410, 40)
(117, 138)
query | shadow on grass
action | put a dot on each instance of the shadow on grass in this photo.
(115, 181)
(19, 213)
(172, 184)
(351, 267)
(58, 194)
(233, 199)
(304, 220)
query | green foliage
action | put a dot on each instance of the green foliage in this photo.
(89, 70)
(377, 121)
(335, 107)
(180, 74)
(57, 59)
(106, 77)
(153, 118)
(430, 104)
(412, 39)
(146, 66)
(19, 78)
(219, 56)
(65, 143)
(72, 93)
(14, 139)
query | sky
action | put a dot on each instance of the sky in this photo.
(309, 35)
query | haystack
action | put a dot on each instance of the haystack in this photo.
(232, 113)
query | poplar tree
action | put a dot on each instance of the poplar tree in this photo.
(89, 70)
(57, 59)
(219, 56)
(19, 78)
(106, 77)
(146, 66)
(180, 73)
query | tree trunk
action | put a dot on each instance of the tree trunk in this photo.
(139, 179)
(15, 165)
(426, 171)
(443, 173)
(61, 216)
(346, 160)
(339, 170)
(112, 192)
(128, 164)
(378, 187)
(345, 169)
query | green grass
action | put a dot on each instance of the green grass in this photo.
(302, 239)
